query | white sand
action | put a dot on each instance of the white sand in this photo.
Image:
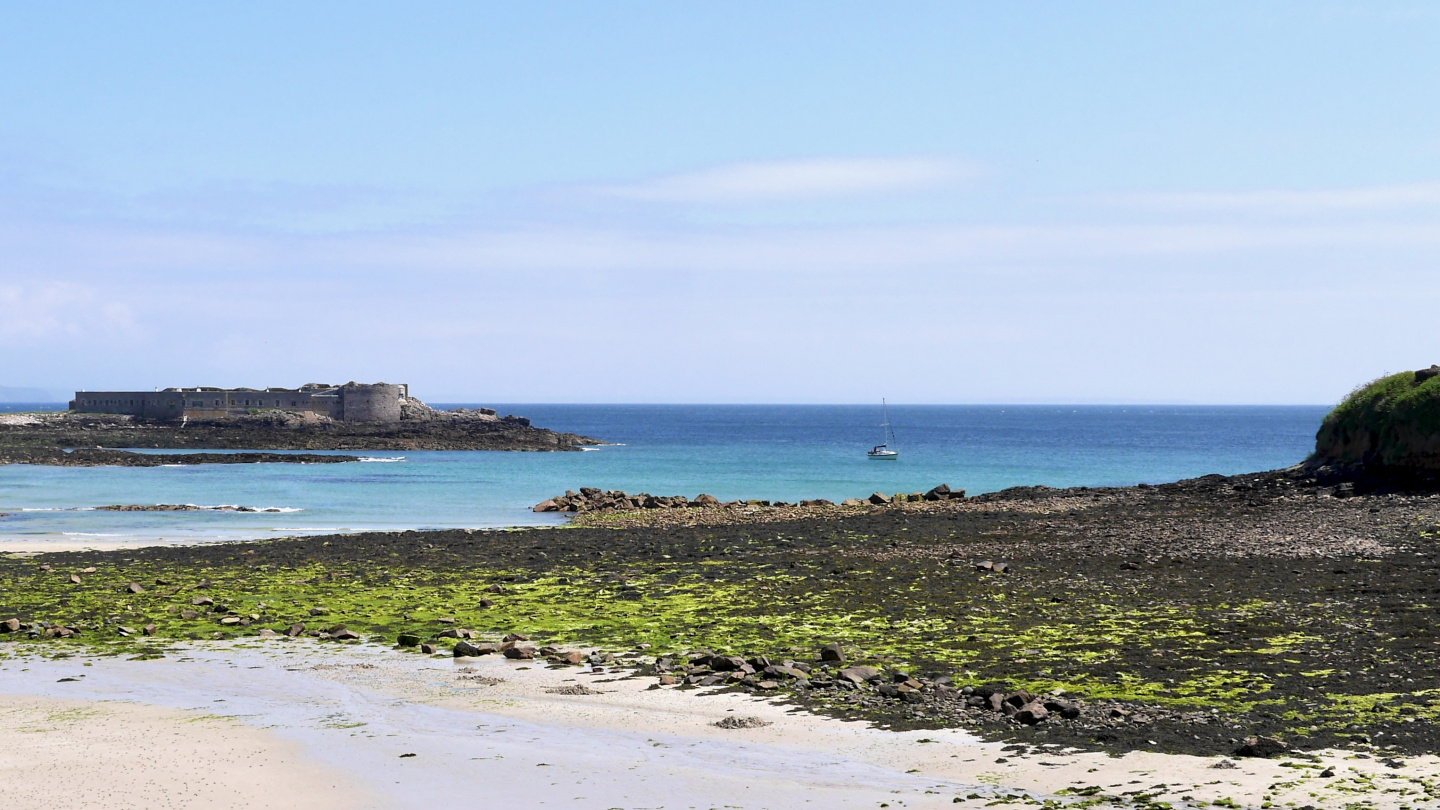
(356, 709)
(57, 754)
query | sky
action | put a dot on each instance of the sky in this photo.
(951, 202)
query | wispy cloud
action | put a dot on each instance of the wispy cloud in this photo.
(1286, 201)
(737, 183)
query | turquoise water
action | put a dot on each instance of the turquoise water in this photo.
(771, 452)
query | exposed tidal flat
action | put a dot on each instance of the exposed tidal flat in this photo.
(1002, 647)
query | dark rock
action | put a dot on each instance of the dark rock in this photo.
(516, 637)
(464, 649)
(150, 629)
(1064, 708)
(703, 500)
(1032, 713)
(572, 657)
(318, 611)
(520, 653)
(429, 649)
(189, 615)
(995, 701)
(1264, 747)
(408, 640)
(134, 587)
(295, 630)
(879, 499)
(832, 653)
(487, 603)
(726, 663)
(939, 493)
(10, 626)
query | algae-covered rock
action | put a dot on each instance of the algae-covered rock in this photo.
(1392, 423)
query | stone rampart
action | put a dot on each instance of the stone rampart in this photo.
(352, 402)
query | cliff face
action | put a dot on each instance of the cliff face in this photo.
(1391, 425)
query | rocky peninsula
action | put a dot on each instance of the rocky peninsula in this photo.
(84, 439)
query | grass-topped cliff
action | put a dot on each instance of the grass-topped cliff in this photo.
(1391, 424)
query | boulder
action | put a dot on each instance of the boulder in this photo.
(703, 500)
(859, 674)
(726, 663)
(150, 629)
(520, 653)
(1064, 708)
(1264, 747)
(516, 637)
(546, 506)
(295, 630)
(10, 626)
(134, 587)
(879, 499)
(429, 649)
(832, 653)
(852, 502)
(408, 640)
(1032, 713)
(573, 657)
(939, 493)
(466, 649)
(266, 632)
(189, 615)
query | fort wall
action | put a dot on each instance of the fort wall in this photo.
(352, 402)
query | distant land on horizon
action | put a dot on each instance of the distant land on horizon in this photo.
(36, 395)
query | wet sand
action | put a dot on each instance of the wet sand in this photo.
(519, 732)
(65, 753)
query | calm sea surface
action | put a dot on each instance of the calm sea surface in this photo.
(730, 451)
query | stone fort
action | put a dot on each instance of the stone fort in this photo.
(351, 402)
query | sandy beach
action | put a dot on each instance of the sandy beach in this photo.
(63, 753)
(294, 723)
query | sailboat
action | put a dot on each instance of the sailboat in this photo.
(882, 452)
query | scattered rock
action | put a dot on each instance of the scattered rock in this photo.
(463, 649)
(408, 640)
(1264, 747)
(134, 587)
(832, 653)
(741, 722)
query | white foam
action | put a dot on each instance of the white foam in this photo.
(378, 460)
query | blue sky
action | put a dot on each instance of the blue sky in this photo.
(829, 202)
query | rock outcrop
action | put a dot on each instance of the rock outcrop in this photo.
(1386, 429)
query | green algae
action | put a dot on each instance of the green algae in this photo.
(1127, 641)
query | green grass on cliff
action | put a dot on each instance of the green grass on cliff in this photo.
(1386, 420)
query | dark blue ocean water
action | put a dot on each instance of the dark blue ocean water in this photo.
(772, 452)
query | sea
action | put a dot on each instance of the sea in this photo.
(772, 452)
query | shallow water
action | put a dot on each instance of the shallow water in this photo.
(770, 452)
(462, 754)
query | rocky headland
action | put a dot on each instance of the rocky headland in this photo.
(82, 439)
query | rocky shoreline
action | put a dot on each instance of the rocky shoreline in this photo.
(1185, 617)
(44, 438)
(101, 457)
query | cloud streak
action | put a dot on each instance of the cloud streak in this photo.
(741, 183)
(1286, 201)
